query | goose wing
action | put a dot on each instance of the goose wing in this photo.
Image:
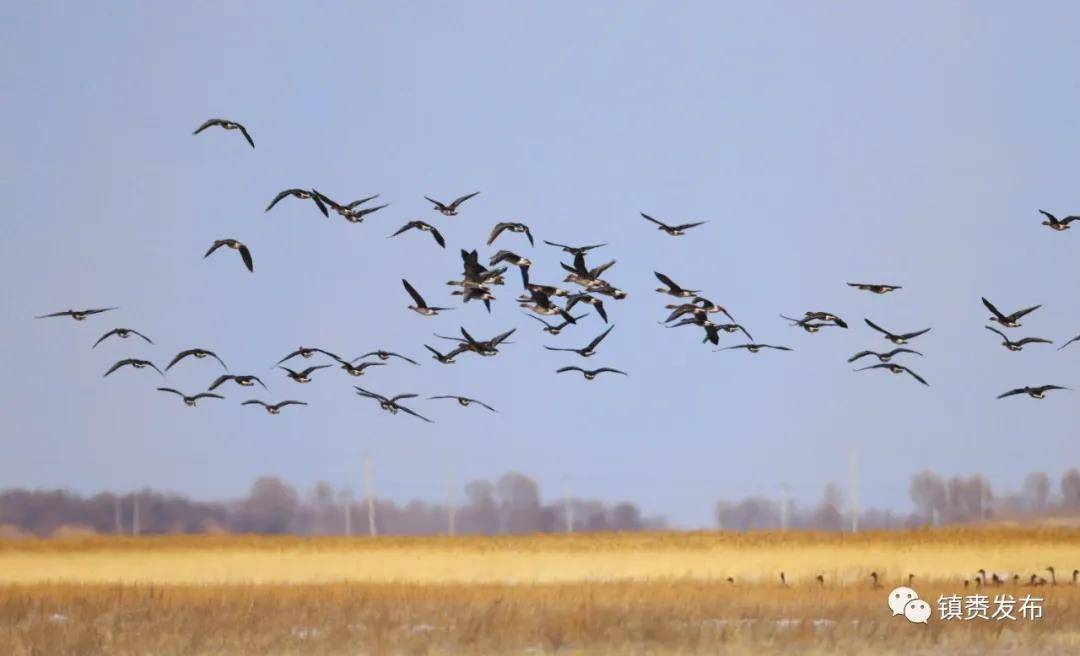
(245, 255)
(659, 223)
(415, 294)
(461, 199)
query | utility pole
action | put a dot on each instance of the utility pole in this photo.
(135, 514)
(450, 511)
(369, 495)
(854, 492)
(569, 506)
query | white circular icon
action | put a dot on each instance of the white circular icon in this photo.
(917, 611)
(899, 598)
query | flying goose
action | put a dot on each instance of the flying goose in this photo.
(191, 401)
(243, 381)
(421, 307)
(546, 290)
(874, 288)
(306, 352)
(1033, 392)
(1019, 344)
(199, 355)
(1056, 224)
(676, 230)
(358, 369)
(77, 315)
(486, 348)
(451, 209)
(581, 274)
(423, 227)
(540, 303)
(882, 357)
(228, 125)
(511, 257)
(447, 358)
(672, 289)
(347, 211)
(712, 331)
(1011, 320)
(711, 308)
(302, 194)
(574, 250)
(135, 364)
(808, 324)
(464, 401)
(245, 254)
(305, 375)
(275, 408)
(555, 329)
(825, 316)
(1074, 339)
(896, 369)
(357, 216)
(512, 227)
(386, 355)
(607, 289)
(754, 348)
(597, 304)
(900, 339)
(122, 333)
(589, 349)
(591, 373)
(391, 404)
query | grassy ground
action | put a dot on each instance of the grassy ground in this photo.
(634, 594)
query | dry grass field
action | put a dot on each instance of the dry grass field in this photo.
(584, 594)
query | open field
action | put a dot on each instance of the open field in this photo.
(596, 594)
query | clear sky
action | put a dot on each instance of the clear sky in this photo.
(825, 142)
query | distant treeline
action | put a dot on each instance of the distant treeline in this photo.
(937, 501)
(510, 505)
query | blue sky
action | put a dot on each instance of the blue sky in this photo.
(824, 142)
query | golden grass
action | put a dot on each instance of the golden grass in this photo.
(661, 593)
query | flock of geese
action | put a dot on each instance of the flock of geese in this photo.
(478, 283)
(980, 579)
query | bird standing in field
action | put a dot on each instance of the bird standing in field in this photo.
(451, 208)
(673, 230)
(227, 125)
(245, 253)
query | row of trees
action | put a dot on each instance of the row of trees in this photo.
(937, 500)
(512, 504)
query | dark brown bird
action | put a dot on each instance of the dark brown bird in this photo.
(135, 364)
(673, 289)
(896, 369)
(754, 348)
(275, 408)
(555, 329)
(673, 230)
(191, 401)
(464, 401)
(451, 209)
(589, 349)
(386, 355)
(807, 324)
(1011, 320)
(243, 381)
(1074, 339)
(77, 315)
(511, 257)
(485, 348)
(882, 357)
(305, 375)
(590, 374)
(358, 369)
(302, 194)
(447, 358)
(199, 354)
(574, 250)
(597, 304)
(391, 404)
(423, 227)
(421, 307)
(306, 352)
(1033, 392)
(228, 125)
(347, 211)
(874, 288)
(1019, 344)
(899, 339)
(245, 253)
(1054, 223)
(122, 333)
(512, 227)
